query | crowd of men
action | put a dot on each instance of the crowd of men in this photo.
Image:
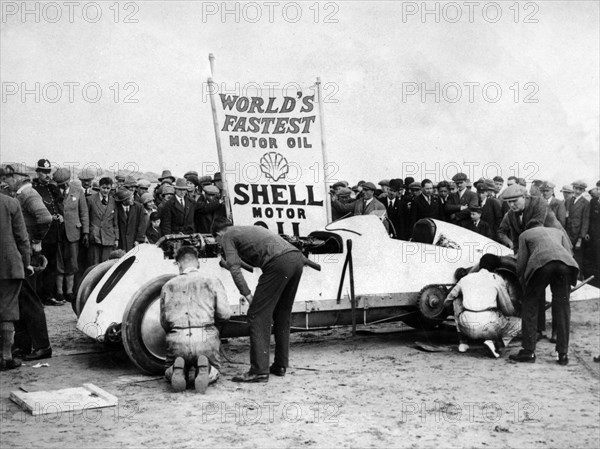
(481, 206)
(61, 226)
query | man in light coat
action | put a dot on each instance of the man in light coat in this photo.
(104, 229)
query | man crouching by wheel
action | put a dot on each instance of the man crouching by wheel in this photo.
(189, 304)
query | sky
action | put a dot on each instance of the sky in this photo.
(528, 79)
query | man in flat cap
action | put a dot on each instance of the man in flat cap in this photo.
(522, 210)
(142, 186)
(178, 213)
(31, 338)
(368, 203)
(342, 205)
(86, 176)
(477, 224)
(104, 228)
(578, 219)
(208, 208)
(557, 206)
(385, 186)
(130, 217)
(457, 207)
(567, 192)
(491, 209)
(50, 194)
(75, 228)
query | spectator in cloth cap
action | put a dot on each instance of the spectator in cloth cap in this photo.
(74, 228)
(130, 216)
(458, 204)
(385, 186)
(143, 185)
(491, 208)
(523, 209)
(342, 206)
(208, 209)
(557, 206)
(190, 173)
(567, 192)
(153, 232)
(368, 204)
(86, 176)
(104, 229)
(578, 219)
(477, 224)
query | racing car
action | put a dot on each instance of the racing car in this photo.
(361, 276)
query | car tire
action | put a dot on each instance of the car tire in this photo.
(89, 280)
(131, 329)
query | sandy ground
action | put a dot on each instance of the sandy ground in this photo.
(374, 390)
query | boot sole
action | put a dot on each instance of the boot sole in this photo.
(178, 379)
(201, 381)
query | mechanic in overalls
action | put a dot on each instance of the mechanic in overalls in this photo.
(189, 304)
(478, 313)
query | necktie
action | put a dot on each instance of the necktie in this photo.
(104, 201)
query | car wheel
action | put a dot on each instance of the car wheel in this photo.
(89, 280)
(431, 311)
(141, 331)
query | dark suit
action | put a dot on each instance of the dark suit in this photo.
(591, 248)
(176, 218)
(578, 219)
(341, 210)
(361, 208)
(131, 226)
(396, 214)
(491, 213)
(104, 229)
(205, 214)
(32, 330)
(421, 208)
(482, 228)
(544, 259)
(454, 203)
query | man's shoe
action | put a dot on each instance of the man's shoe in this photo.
(38, 354)
(463, 347)
(69, 297)
(277, 370)
(251, 377)
(523, 356)
(53, 302)
(597, 359)
(201, 381)
(6, 364)
(563, 358)
(491, 349)
(178, 379)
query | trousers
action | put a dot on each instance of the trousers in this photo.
(272, 305)
(31, 330)
(485, 325)
(557, 275)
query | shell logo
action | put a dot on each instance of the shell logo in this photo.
(274, 165)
